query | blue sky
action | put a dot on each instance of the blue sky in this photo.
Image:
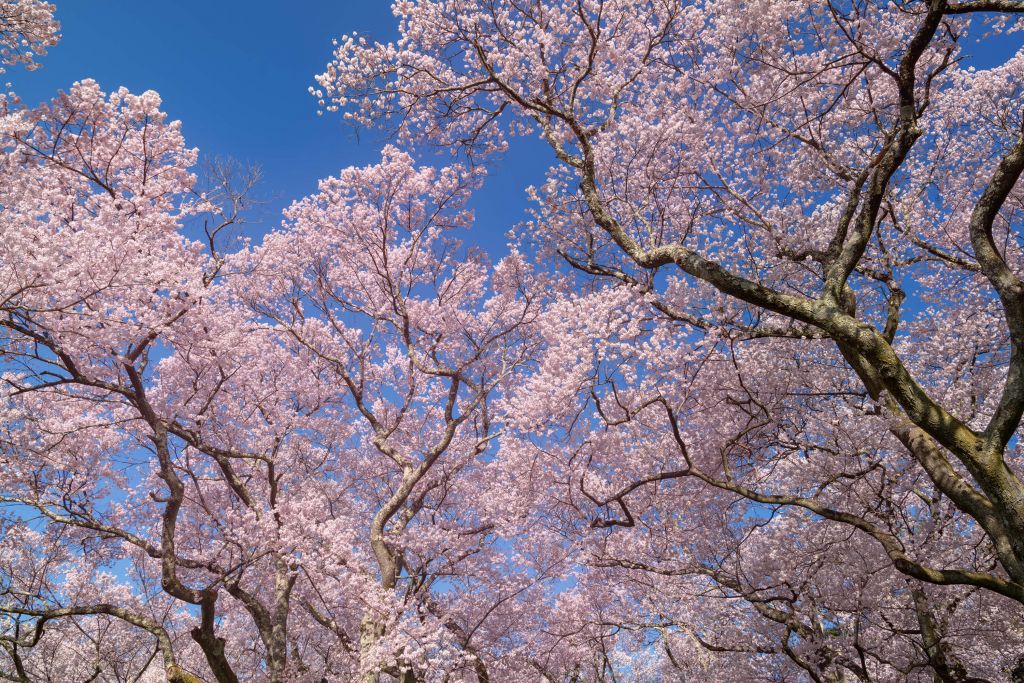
(236, 74)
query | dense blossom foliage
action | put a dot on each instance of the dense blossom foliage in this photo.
(27, 28)
(742, 403)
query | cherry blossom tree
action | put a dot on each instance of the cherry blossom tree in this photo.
(787, 355)
(260, 462)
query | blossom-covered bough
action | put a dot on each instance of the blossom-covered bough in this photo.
(803, 223)
(27, 28)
